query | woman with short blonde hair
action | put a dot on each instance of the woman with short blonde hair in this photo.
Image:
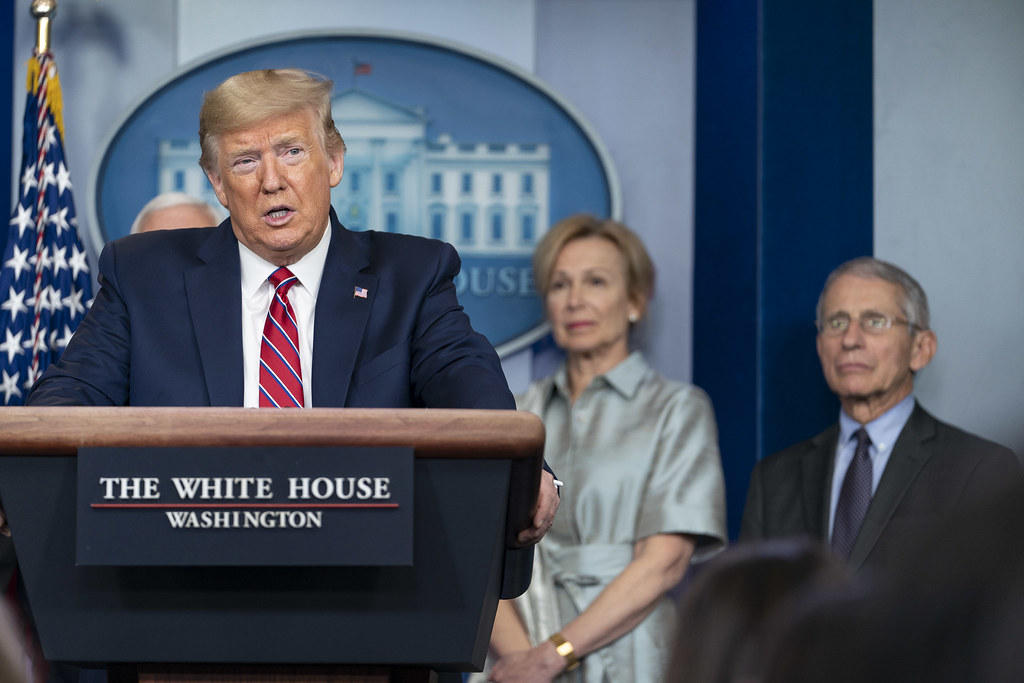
(644, 494)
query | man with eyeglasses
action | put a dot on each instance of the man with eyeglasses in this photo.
(887, 469)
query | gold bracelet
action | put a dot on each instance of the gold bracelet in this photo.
(565, 648)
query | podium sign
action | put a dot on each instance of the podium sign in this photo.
(231, 506)
(475, 477)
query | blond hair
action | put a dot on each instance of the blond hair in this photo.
(251, 97)
(639, 268)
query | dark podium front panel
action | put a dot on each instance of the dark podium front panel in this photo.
(436, 613)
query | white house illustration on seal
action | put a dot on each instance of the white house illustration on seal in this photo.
(486, 198)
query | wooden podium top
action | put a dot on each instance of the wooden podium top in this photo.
(432, 432)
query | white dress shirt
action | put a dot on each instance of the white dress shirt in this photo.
(257, 293)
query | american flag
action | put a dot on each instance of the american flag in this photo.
(45, 285)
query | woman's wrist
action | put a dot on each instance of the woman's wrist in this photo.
(565, 651)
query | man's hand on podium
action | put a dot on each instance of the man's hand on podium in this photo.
(544, 515)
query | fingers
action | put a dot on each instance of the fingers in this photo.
(544, 516)
(532, 534)
(529, 536)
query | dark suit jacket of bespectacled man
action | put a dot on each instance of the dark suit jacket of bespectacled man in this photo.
(179, 313)
(873, 337)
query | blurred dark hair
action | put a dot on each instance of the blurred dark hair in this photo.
(951, 611)
(729, 609)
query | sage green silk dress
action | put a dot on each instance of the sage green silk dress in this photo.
(639, 456)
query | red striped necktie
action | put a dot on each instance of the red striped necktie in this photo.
(280, 370)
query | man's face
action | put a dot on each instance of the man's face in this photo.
(275, 179)
(873, 370)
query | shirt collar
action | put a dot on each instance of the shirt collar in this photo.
(309, 269)
(884, 429)
(624, 378)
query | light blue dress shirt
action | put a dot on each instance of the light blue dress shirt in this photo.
(883, 430)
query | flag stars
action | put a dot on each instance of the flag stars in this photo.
(63, 341)
(48, 177)
(42, 260)
(50, 133)
(12, 345)
(54, 300)
(9, 386)
(49, 300)
(14, 304)
(73, 303)
(59, 261)
(28, 179)
(42, 218)
(32, 373)
(18, 262)
(38, 302)
(60, 221)
(23, 220)
(63, 178)
(37, 341)
(77, 262)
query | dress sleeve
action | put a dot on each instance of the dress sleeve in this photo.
(685, 492)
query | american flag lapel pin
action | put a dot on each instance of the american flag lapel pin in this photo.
(360, 292)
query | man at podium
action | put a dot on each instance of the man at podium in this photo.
(280, 305)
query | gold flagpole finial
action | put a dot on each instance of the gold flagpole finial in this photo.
(43, 11)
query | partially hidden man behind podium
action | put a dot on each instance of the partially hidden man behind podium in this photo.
(181, 315)
(887, 470)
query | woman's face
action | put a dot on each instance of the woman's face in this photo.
(588, 302)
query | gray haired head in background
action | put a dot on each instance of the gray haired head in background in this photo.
(171, 210)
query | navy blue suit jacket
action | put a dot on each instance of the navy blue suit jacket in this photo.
(165, 328)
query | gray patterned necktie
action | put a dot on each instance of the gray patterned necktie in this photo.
(854, 497)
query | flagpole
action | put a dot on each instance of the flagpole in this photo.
(43, 11)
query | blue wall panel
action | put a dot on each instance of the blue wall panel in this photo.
(725, 311)
(816, 193)
(783, 195)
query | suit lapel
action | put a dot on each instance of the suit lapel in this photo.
(815, 472)
(912, 450)
(214, 300)
(341, 315)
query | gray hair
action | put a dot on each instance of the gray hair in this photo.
(914, 302)
(166, 200)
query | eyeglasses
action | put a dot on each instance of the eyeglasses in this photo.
(870, 323)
